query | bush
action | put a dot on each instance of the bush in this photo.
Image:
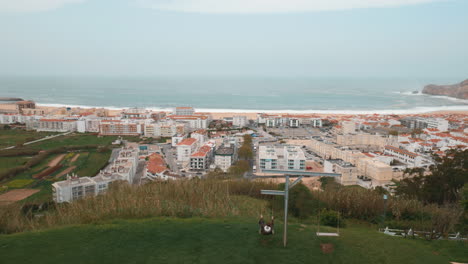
(331, 218)
(302, 203)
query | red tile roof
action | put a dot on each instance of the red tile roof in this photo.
(156, 164)
(187, 142)
(58, 120)
(401, 151)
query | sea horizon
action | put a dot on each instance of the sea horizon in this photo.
(249, 94)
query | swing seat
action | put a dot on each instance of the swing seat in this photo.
(324, 234)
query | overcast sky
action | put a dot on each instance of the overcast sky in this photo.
(339, 38)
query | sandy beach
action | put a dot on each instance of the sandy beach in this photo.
(248, 114)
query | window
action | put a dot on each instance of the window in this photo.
(77, 192)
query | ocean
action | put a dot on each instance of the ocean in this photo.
(235, 94)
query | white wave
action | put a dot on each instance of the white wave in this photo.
(415, 110)
(458, 100)
(411, 93)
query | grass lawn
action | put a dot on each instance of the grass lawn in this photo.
(12, 137)
(195, 240)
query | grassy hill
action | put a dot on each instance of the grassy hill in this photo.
(229, 240)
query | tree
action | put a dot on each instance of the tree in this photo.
(247, 140)
(302, 203)
(393, 133)
(245, 152)
(443, 185)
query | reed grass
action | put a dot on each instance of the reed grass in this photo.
(184, 198)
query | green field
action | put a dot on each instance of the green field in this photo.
(88, 164)
(11, 162)
(72, 140)
(11, 137)
(198, 240)
(91, 163)
(19, 183)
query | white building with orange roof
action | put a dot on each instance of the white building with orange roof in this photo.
(183, 111)
(201, 135)
(185, 148)
(156, 168)
(192, 121)
(201, 159)
(410, 158)
(121, 128)
(176, 139)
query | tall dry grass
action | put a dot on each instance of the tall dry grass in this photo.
(184, 198)
(368, 205)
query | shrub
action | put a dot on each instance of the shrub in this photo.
(331, 218)
(302, 203)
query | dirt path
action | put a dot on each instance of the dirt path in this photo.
(75, 157)
(66, 171)
(16, 195)
(56, 160)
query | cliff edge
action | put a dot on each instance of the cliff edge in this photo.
(459, 90)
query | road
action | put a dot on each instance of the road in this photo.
(139, 173)
(42, 139)
(169, 154)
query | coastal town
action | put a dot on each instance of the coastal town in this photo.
(367, 150)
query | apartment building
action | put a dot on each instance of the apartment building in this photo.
(56, 125)
(239, 121)
(278, 120)
(183, 111)
(370, 167)
(192, 122)
(136, 113)
(421, 123)
(348, 127)
(17, 118)
(365, 139)
(73, 188)
(88, 124)
(201, 159)
(200, 135)
(185, 148)
(281, 158)
(410, 158)
(120, 128)
(177, 139)
(225, 156)
(164, 129)
(348, 171)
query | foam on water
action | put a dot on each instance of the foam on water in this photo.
(415, 110)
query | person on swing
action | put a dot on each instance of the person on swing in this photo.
(266, 228)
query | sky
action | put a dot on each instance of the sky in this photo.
(314, 38)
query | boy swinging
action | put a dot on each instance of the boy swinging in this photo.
(266, 228)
